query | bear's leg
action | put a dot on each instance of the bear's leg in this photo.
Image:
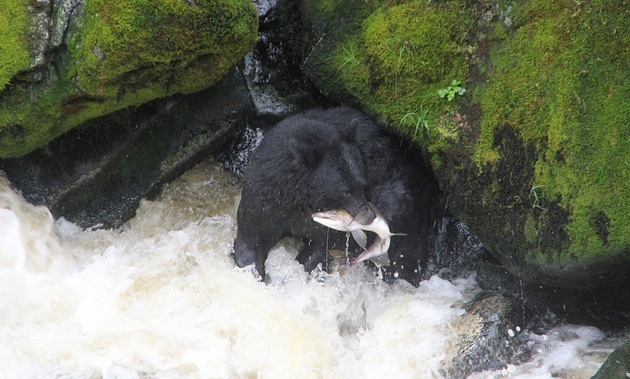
(253, 250)
(312, 255)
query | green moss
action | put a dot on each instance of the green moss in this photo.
(339, 18)
(126, 53)
(394, 61)
(498, 30)
(142, 42)
(14, 47)
(559, 82)
(416, 49)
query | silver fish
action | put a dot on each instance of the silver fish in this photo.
(341, 220)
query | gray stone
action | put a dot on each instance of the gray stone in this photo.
(489, 336)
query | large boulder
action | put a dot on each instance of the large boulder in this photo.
(97, 174)
(521, 107)
(65, 62)
(390, 60)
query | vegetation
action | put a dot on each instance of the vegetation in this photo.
(557, 83)
(160, 44)
(453, 90)
(14, 50)
(418, 118)
(126, 53)
(394, 56)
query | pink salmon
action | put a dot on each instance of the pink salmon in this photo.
(341, 220)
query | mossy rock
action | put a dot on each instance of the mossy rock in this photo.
(123, 53)
(391, 59)
(553, 155)
(535, 157)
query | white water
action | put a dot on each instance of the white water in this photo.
(161, 298)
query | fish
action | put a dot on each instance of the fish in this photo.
(377, 252)
(341, 220)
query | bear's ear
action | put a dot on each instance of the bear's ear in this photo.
(303, 155)
(355, 126)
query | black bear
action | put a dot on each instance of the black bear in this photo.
(333, 159)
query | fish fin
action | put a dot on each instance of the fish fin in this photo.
(362, 218)
(360, 237)
(397, 234)
(380, 260)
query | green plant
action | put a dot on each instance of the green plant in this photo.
(418, 119)
(451, 91)
(350, 56)
(405, 49)
(533, 193)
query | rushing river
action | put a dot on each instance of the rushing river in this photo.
(161, 298)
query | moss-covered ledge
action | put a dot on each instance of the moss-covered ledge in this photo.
(118, 54)
(553, 155)
(391, 59)
(535, 156)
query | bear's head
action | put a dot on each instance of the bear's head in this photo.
(330, 169)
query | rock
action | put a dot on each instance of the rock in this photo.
(457, 252)
(272, 69)
(489, 336)
(390, 60)
(95, 57)
(607, 308)
(617, 366)
(548, 171)
(96, 175)
(23, 38)
(530, 143)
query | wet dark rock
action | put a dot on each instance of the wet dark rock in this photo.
(272, 69)
(489, 336)
(457, 251)
(235, 156)
(96, 175)
(605, 308)
(274, 77)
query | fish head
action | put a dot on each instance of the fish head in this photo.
(338, 219)
(342, 213)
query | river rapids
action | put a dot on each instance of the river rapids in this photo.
(161, 298)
